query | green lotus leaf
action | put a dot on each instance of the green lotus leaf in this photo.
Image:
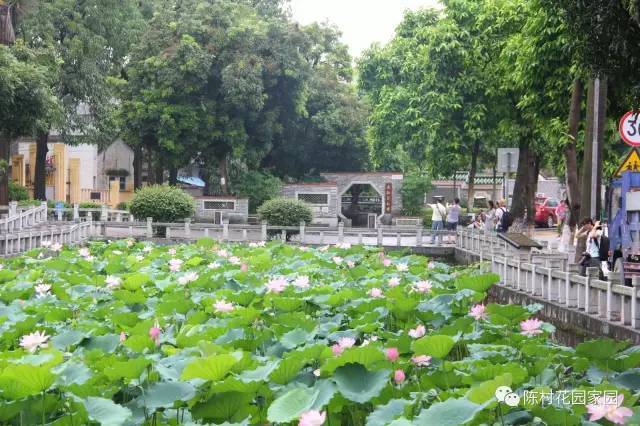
(385, 414)
(437, 346)
(367, 356)
(291, 405)
(106, 412)
(21, 380)
(452, 412)
(358, 384)
(211, 368)
(166, 394)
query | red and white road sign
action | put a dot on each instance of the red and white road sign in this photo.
(629, 128)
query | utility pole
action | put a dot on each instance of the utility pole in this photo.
(595, 191)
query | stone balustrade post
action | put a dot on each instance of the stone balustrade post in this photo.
(76, 212)
(187, 228)
(380, 240)
(592, 274)
(149, 230)
(104, 213)
(635, 312)
(225, 231)
(302, 231)
(341, 232)
(263, 230)
(13, 208)
(419, 237)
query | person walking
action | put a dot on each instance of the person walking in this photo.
(490, 218)
(585, 227)
(597, 250)
(503, 217)
(561, 215)
(453, 215)
(437, 218)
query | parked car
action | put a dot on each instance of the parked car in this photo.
(546, 211)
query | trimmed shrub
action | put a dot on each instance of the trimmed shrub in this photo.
(163, 203)
(29, 203)
(17, 192)
(125, 205)
(414, 186)
(90, 205)
(285, 212)
(258, 187)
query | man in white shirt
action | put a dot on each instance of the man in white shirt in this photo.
(437, 218)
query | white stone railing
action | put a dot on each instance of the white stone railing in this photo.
(17, 220)
(12, 243)
(550, 276)
(404, 236)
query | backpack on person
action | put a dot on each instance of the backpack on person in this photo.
(506, 220)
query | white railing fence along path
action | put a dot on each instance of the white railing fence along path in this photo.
(549, 276)
(16, 220)
(398, 236)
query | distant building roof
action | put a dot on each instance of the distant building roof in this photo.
(192, 181)
(311, 184)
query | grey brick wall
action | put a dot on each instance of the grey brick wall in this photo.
(239, 213)
(321, 213)
(376, 180)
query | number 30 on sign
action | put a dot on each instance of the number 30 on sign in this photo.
(629, 128)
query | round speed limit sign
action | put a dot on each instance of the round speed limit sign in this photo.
(629, 128)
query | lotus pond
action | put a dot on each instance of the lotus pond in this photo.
(126, 333)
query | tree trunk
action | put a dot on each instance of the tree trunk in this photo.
(151, 177)
(137, 166)
(159, 169)
(519, 201)
(5, 143)
(602, 119)
(7, 34)
(472, 174)
(532, 186)
(173, 175)
(40, 171)
(570, 154)
(224, 175)
(587, 173)
(205, 175)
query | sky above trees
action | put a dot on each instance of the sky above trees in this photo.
(362, 22)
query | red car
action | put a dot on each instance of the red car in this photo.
(546, 211)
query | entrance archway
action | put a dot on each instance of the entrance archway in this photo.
(362, 204)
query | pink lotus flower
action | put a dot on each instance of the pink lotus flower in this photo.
(123, 336)
(302, 281)
(431, 265)
(375, 293)
(478, 312)
(402, 267)
(45, 244)
(343, 245)
(187, 278)
(56, 247)
(337, 260)
(323, 248)
(423, 286)
(154, 333)
(337, 349)
(346, 342)
(222, 306)
(421, 360)
(234, 260)
(31, 342)
(417, 332)
(112, 282)
(42, 290)
(172, 251)
(394, 282)
(276, 285)
(609, 409)
(244, 267)
(531, 327)
(84, 252)
(398, 376)
(213, 265)
(316, 372)
(147, 249)
(392, 354)
(117, 252)
(351, 264)
(175, 265)
(312, 418)
(386, 262)
(223, 253)
(257, 244)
